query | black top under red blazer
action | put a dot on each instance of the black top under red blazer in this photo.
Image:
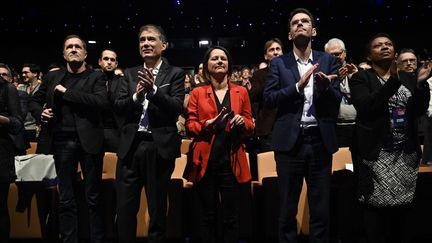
(370, 98)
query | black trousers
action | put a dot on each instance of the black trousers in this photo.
(68, 151)
(219, 185)
(387, 224)
(142, 167)
(310, 160)
(4, 212)
(111, 140)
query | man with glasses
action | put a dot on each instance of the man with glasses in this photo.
(407, 60)
(303, 85)
(347, 113)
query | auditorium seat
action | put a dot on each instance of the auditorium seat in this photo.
(32, 149)
(266, 194)
(24, 225)
(184, 148)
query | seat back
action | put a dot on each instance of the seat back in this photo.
(109, 165)
(184, 148)
(266, 165)
(341, 158)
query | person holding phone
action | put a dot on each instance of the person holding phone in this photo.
(219, 115)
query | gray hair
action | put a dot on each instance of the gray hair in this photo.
(333, 42)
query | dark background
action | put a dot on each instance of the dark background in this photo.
(33, 31)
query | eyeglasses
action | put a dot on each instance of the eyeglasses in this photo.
(337, 54)
(4, 74)
(412, 60)
(303, 21)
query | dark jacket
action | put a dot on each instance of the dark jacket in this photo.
(370, 98)
(88, 97)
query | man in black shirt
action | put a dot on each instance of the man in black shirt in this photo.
(69, 104)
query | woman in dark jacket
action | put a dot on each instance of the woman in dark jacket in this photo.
(10, 124)
(386, 149)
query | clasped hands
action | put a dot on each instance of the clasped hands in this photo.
(145, 83)
(237, 120)
(321, 80)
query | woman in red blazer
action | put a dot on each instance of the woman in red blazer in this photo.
(219, 115)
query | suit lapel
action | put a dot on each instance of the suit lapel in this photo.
(291, 64)
(163, 71)
(57, 79)
(235, 98)
(211, 99)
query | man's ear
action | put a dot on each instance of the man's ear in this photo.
(164, 46)
(314, 32)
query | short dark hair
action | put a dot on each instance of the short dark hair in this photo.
(206, 59)
(33, 68)
(147, 27)
(301, 10)
(109, 49)
(379, 35)
(75, 36)
(270, 42)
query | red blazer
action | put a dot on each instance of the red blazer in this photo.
(202, 107)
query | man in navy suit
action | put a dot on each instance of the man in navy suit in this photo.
(68, 104)
(150, 100)
(303, 86)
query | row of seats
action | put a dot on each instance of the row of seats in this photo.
(260, 206)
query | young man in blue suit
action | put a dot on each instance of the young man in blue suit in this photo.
(303, 85)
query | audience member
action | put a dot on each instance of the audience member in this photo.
(219, 115)
(386, 148)
(303, 86)
(69, 104)
(407, 60)
(108, 62)
(264, 116)
(347, 113)
(150, 100)
(10, 123)
(31, 83)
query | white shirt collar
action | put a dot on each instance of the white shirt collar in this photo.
(297, 58)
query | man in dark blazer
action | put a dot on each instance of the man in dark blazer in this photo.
(150, 99)
(69, 104)
(303, 86)
(108, 62)
(264, 116)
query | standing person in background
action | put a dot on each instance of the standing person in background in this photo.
(303, 86)
(150, 100)
(69, 104)
(347, 112)
(198, 77)
(10, 123)
(386, 148)
(108, 63)
(30, 75)
(219, 115)
(264, 116)
(407, 60)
